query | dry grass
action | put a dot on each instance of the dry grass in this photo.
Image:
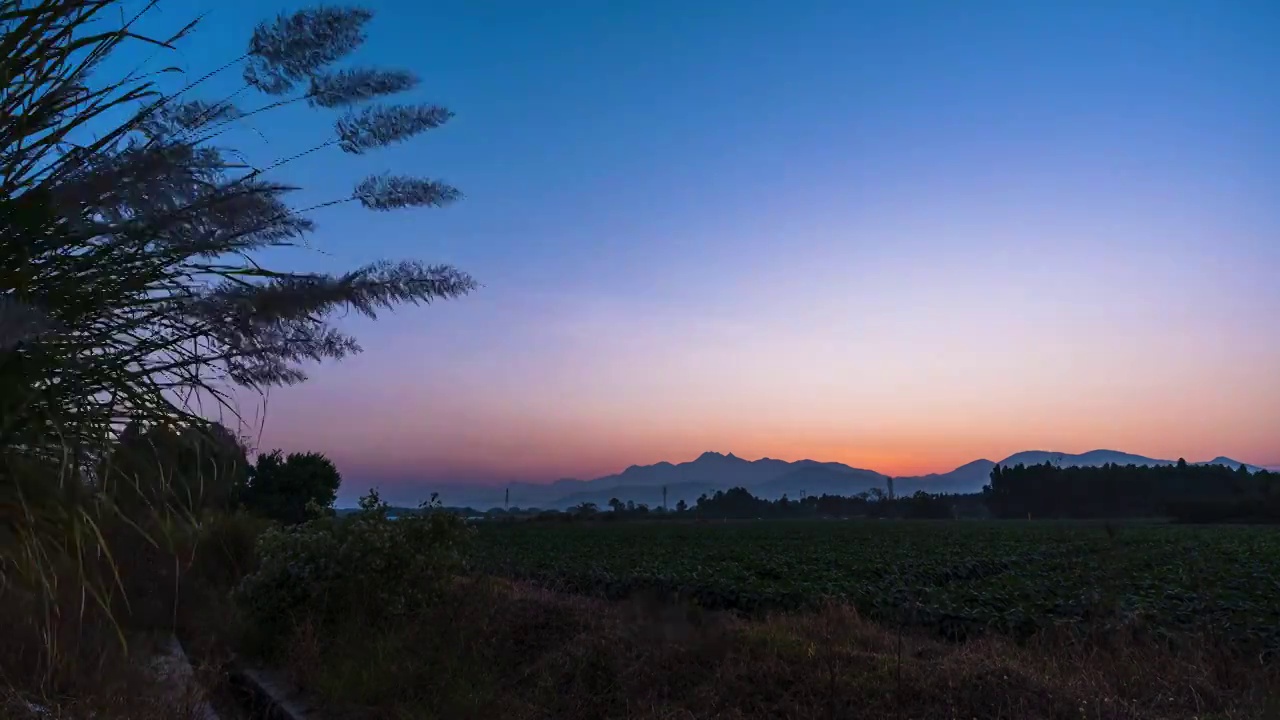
(64, 656)
(95, 677)
(509, 651)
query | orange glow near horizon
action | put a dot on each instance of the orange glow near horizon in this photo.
(454, 430)
(798, 382)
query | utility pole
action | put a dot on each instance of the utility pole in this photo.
(664, 498)
(506, 500)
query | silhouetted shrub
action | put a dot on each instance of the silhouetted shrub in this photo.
(283, 488)
(365, 567)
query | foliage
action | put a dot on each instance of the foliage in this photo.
(739, 503)
(225, 548)
(959, 578)
(1212, 493)
(132, 260)
(134, 292)
(507, 650)
(191, 468)
(291, 489)
(365, 567)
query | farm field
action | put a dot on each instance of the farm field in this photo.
(956, 577)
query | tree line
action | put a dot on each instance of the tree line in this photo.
(1185, 492)
(738, 503)
(1181, 492)
(197, 469)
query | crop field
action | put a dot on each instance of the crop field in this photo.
(957, 577)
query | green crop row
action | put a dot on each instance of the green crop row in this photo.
(959, 577)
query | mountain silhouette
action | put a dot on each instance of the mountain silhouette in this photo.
(967, 478)
(768, 478)
(1094, 458)
(711, 471)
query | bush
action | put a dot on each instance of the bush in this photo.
(283, 488)
(366, 568)
(224, 549)
(183, 468)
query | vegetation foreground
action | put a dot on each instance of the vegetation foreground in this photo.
(375, 617)
(498, 650)
(398, 618)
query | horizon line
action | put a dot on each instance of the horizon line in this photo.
(507, 483)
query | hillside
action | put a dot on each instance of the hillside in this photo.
(967, 478)
(710, 471)
(820, 479)
(1094, 458)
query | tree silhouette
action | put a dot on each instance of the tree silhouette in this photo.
(191, 468)
(286, 488)
(1183, 491)
(739, 503)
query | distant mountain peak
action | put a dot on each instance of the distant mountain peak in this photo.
(1224, 460)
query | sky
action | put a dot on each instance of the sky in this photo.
(901, 234)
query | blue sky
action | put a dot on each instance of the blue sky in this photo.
(897, 234)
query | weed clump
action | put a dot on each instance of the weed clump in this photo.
(368, 568)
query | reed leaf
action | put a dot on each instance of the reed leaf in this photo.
(132, 290)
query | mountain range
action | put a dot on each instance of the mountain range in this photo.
(766, 477)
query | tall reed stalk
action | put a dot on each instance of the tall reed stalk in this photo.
(132, 290)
